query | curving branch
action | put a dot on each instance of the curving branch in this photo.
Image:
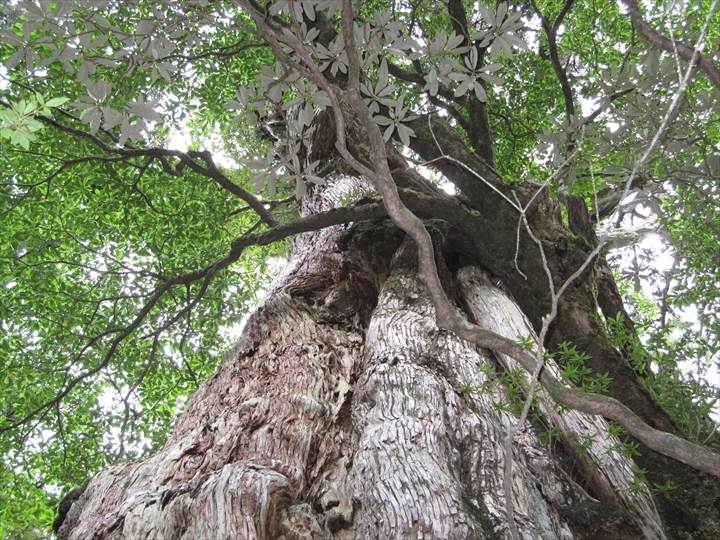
(227, 51)
(689, 54)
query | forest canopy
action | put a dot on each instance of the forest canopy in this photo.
(154, 157)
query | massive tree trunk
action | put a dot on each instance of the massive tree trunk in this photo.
(343, 412)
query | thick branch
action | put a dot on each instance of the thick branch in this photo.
(447, 316)
(479, 123)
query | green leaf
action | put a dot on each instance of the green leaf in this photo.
(56, 102)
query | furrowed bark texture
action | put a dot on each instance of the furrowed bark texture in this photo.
(344, 412)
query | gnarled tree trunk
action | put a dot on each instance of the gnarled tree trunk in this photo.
(344, 412)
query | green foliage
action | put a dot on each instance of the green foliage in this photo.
(686, 394)
(666, 488)
(465, 389)
(515, 391)
(528, 343)
(697, 244)
(639, 481)
(356, 194)
(18, 123)
(573, 367)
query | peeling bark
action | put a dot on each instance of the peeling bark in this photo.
(343, 412)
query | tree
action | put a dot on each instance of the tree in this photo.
(446, 352)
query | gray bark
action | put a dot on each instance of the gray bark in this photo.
(344, 412)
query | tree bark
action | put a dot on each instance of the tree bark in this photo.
(343, 412)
